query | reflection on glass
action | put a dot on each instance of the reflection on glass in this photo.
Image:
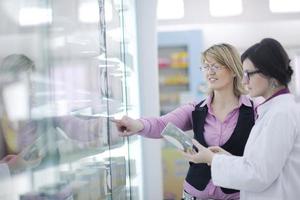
(19, 135)
(62, 128)
(89, 11)
(35, 16)
(16, 97)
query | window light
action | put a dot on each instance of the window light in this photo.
(284, 6)
(170, 9)
(224, 8)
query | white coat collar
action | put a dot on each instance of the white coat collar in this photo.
(280, 100)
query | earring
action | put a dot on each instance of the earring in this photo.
(274, 84)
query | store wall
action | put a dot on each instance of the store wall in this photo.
(242, 35)
(255, 22)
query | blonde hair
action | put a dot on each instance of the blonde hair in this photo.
(227, 55)
(16, 63)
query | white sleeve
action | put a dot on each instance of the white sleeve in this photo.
(2, 145)
(4, 170)
(5, 182)
(265, 158)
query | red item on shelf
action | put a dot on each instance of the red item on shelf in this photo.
(163, 62)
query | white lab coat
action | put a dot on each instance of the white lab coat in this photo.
(270, 167)
(6, 192)
(5, 177)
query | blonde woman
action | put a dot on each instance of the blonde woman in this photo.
(223, 119)
(16, 136)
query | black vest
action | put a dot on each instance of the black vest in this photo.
(199, 174)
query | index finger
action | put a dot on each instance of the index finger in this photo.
(115, 120)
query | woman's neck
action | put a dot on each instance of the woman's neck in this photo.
(273, 91)
(225, 98)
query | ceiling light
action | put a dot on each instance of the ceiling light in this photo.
(224, 8)
(170, 9)
(284, 6)
(34, 16)
(89, 12)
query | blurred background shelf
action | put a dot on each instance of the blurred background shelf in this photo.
(179, 78)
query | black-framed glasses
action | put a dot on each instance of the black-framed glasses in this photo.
(248, 74)
(213, 68)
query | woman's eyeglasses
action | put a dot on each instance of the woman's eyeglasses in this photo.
(248, 74)
(214, 68)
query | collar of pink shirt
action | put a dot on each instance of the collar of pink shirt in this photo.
(242, 100)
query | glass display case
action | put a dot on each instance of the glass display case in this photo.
(67, 69)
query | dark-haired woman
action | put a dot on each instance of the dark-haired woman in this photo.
(269, 168)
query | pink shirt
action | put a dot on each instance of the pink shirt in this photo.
(216, 133)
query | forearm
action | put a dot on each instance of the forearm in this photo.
(4, 170)
(237, 173)
(152, 127)
(180, 117)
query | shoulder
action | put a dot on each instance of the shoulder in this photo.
(200, 104)
(285, 104)
(245, 100)
(285, 108)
